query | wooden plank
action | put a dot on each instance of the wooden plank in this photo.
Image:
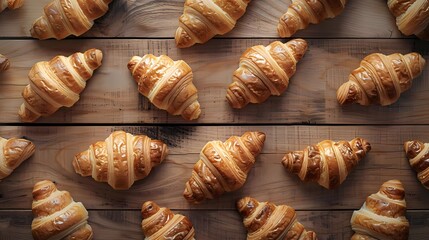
(112, 96)
(155, 19)
(56, 147)
(125, 224)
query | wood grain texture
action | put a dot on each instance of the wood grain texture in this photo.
(112, 97)
(159, 19)
(56, 147)
(125, 224)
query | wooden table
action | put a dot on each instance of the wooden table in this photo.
(306, 114)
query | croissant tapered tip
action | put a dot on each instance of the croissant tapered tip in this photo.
(149, 208)
(183, 39)
(26, 115)
(393, 189)
(43, 189)
(245, 204)
(299, 47)
(82, 164)
(236, 95)
(94, 57)
(348, 93)
(4, 63)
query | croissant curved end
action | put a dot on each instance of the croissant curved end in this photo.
(192, 112)
(40, 29)
(19, 151)
(413, 148)
(149, 208)
(94, 58)
(82, 164)
(43, 189)
(347, 93)
(245, 205)
(183, 39)
(299, 47)
(4, 63)
(26, 115)
(236, 96)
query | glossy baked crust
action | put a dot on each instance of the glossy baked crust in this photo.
(57, 83)
(72, 17)
(264, 71)
(13, 152)
(160, 223)
(167, 84)
(418, 154)
(381, 79)
(121, 159)
(203, 19)
(382, 216)
(223, 166)
(57, 216)
(328, 163)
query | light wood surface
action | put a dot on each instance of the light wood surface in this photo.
(305, 114)
(159, 19)
(112, 96)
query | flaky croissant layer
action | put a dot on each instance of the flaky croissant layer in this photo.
(167, 84)
(418, 154)
(303, 12)
(265, 220)
(57, 83)
(264, 71)
(4, 63)
(328, 163)
(411, 16)
(72, 17)
(121, 159)
(381, 79)
(382, 216)
(223, 166)
(203, 19)
(11, 4)
(57, 216)
(160, 223)
(14, 152)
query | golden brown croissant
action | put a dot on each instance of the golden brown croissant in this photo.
(4, 63)
(265, 220)
(57, 83)
(13, 152)
(72, 17)
(121, 159)
(303, 12)
(11, 4)
(57, 216)
(223, 166)
(418, 154)
(381, 79)
(167, 84)
(411, 16)
(203, 19)
(382, 216)
(162, 224)
(328, 163)
(264, 71)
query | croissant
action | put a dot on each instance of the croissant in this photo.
(381, 79)
(11, 4)
(162, 224)
(265, 220)
(328, 163)
(382, 216)
(203, 19)
(57, 83)
(64, 18)
(264, 71)
(411, 16)
(57, 216)
(13, 152)
(121, 159)
(4, 63)
(167, 84)
(418, 154)
(303, 12)
(223, 166)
